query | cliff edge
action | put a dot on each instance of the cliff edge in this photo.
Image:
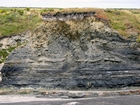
(74, 54)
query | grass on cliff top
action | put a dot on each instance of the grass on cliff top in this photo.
(68, 10)
(126, 22)
(17, 20)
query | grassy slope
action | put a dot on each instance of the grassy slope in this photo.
(13, 21)
(126, 22)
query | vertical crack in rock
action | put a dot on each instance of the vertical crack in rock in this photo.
(74, 54)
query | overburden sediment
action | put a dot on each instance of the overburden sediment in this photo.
(74, 54)
(67, 16)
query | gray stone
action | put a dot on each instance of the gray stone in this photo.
(14, 40)
(74, 54)
(65, 97)
(76, 95)
(73, 103)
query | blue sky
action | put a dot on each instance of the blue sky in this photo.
(72, 3)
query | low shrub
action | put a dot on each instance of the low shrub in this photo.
(27, 9)
(21, 12)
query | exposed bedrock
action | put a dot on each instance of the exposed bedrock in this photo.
(74, 54)
(67, 16)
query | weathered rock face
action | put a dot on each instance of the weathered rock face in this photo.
(7, 42)
(74, 54)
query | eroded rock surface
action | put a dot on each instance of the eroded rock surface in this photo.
(74, 54)
(11, 41)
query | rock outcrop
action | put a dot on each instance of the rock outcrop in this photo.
(74, 54)
(11, 41)
(67, 16)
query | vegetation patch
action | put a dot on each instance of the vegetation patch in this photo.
(4, 53)
(126, 22)
(17, 20)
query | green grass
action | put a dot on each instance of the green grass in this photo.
(5, 52)
(124, 21)
(68, 10)
(15, 21)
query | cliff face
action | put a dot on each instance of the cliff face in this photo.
(74, 54)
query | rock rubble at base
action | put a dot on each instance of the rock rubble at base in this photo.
(86, 94)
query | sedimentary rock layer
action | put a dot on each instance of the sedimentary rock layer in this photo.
(67, 16)
(74, 54)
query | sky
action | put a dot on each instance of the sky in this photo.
(72, 3)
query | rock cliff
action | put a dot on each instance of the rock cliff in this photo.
(74, 54)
